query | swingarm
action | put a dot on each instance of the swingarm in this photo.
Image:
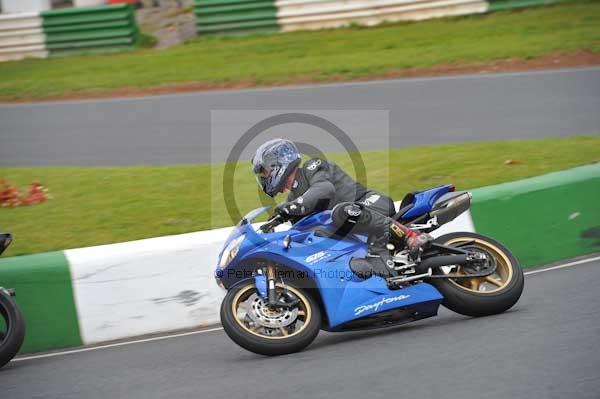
(474, 263)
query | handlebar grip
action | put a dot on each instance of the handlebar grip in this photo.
(275, 221)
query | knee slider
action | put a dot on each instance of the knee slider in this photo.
(349, 215)
(345, 212)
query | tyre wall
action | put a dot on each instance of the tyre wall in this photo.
(67, 31)
(242, 17)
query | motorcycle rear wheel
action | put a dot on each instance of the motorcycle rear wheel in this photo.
(299, 326)
(482, 296)
(12, 330)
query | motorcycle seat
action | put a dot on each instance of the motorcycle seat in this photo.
(406, 205)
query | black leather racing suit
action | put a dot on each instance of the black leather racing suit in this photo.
(321, 185)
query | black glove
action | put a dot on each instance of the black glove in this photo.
(290, 209)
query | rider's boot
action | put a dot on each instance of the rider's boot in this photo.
(399, 236)
(382, 230)
(404, 237)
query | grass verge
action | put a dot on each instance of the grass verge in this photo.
(92, 206)
(319, 56)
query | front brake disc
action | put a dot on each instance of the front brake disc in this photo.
(261, 313)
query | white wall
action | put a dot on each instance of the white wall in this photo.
(87, 3)
(319, 14)
(21, 36)
(17, 6)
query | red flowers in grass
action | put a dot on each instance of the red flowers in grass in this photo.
(10, 196)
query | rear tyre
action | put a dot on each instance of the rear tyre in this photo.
(12, 328)
(481, 296)
(252, 324)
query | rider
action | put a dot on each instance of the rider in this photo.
(319, 185)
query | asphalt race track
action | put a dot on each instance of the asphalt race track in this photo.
(545, 347)
(176, 128)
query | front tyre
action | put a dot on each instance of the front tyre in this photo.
(481, 296)
(251, 323)
(12, 328)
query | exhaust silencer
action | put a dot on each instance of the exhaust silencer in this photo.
(447, 209)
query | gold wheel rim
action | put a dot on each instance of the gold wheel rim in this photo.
(499, 279)
(304, 313)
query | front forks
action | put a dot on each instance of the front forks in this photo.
(260, 281)
(265, 281)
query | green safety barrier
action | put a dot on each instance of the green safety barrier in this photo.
(234, 17)
(90, 29)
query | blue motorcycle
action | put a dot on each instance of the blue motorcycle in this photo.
(285, 286)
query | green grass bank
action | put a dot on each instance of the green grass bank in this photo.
(319, 56)
(101, 205)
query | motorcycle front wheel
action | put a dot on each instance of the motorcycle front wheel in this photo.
(481, 296)
(12, 328)
(250, 322)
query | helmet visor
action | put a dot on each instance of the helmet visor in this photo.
(262, 175)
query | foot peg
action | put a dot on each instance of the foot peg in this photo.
(399, 281)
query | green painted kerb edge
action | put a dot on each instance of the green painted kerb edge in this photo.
(45, 295)
(543, 219)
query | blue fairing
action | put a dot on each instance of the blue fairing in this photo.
(423, 201)
(322, 262)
